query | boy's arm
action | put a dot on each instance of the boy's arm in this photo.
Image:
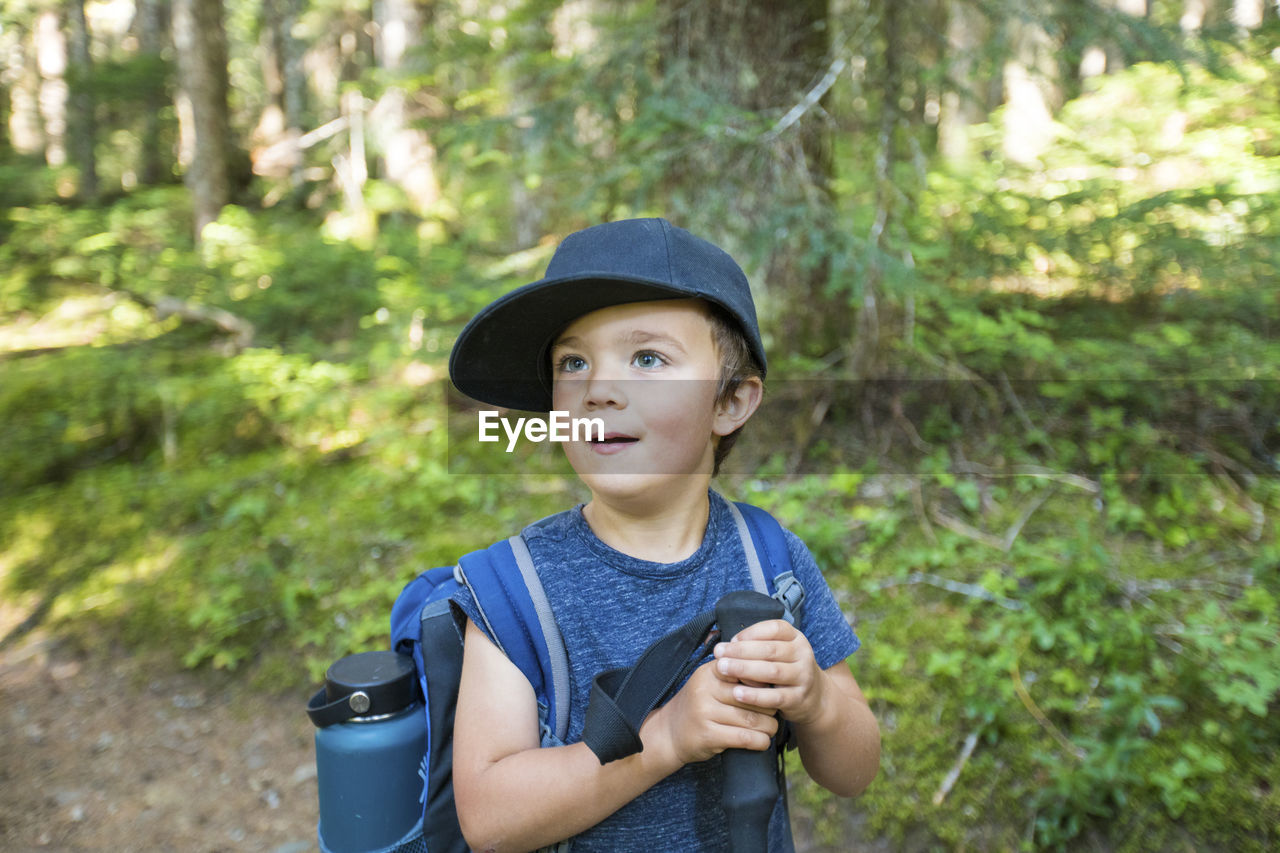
(513, 795)
(838, 736)
(841, 749)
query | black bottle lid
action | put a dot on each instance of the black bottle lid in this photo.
(364, 687)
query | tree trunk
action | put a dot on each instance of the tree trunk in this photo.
(1247, 14)
(1108, 57)
(6, 147)
(568, 31)
(51, 59)
(283, 123)
(865, 346)
(1195, 13)
(1032, 90)
(770, 58)
(293, 78)
(26, 133)
(151, 24)
(201, 47)
(964, 101)
(288, 85)
(82, 123)
(408, 158)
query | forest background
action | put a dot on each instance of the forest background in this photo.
(1017, 264)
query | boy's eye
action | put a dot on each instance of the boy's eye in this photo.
(571, 364)
(647, 360)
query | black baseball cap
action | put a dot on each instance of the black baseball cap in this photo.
(502, 355)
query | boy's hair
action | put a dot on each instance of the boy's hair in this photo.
(737, 364)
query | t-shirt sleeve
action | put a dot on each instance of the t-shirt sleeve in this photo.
(464, 606)
(822, 622)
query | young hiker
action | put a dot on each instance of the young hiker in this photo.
(652, 331)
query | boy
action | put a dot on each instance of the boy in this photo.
(654, 332)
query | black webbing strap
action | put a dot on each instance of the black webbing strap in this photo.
(622, 698)
(324, 713)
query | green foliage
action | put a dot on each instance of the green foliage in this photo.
(1080, 661)
(1113, 311)
(142, 242)
(1054, 529)
(126, 83)
(1161, 185)
(272, 498)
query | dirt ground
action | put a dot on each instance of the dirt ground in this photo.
(103, 753)
(117, 754)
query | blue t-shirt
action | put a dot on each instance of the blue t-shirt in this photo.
(610, 607)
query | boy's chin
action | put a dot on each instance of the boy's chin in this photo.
(629, 466)
(642, 492)
(624, 486)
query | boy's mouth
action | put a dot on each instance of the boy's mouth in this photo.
(612, 442)
(615, 438)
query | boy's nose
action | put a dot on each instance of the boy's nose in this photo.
(601, 392)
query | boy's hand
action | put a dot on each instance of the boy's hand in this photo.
(774, 668)
(704, 719)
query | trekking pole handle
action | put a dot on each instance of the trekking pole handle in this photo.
(750, 786)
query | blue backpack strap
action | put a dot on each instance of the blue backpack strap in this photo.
(421, 619)
(518, 616)
(406, 618)
(768, 558)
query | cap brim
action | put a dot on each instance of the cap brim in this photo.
(501, 356)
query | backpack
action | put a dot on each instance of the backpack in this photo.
(517, 614)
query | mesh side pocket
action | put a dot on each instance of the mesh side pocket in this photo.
(414, 844)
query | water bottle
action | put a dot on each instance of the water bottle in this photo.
(371, 735)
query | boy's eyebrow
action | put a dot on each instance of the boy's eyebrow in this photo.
(635, 338)
(640, 336)
(570, 341)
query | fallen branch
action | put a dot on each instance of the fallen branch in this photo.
(949, 782)
(1011, 534)
(838, 64)
(1004, 544)
(814, 95)
(323, 132)
(900, 418)
(964, 529)
(1039, 715)
(1225, 465)
(968, 589)
(1007, 387)
(917, 502)
(240, 329)
(1036, 471)
(1137, 590)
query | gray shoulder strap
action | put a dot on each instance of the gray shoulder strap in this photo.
(787, 587)
(749, 548)
(550, 632)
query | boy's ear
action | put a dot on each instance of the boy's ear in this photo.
(734, 411)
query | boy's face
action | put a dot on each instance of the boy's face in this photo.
(649, 371)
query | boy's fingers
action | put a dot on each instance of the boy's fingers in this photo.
(757, 720)
(744, 738)
(758, 650)
(722, 693)
(769, 698)
(739, 720)
(771, 629)
(761, 671)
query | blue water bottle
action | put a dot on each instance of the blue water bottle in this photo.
(371, 735)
